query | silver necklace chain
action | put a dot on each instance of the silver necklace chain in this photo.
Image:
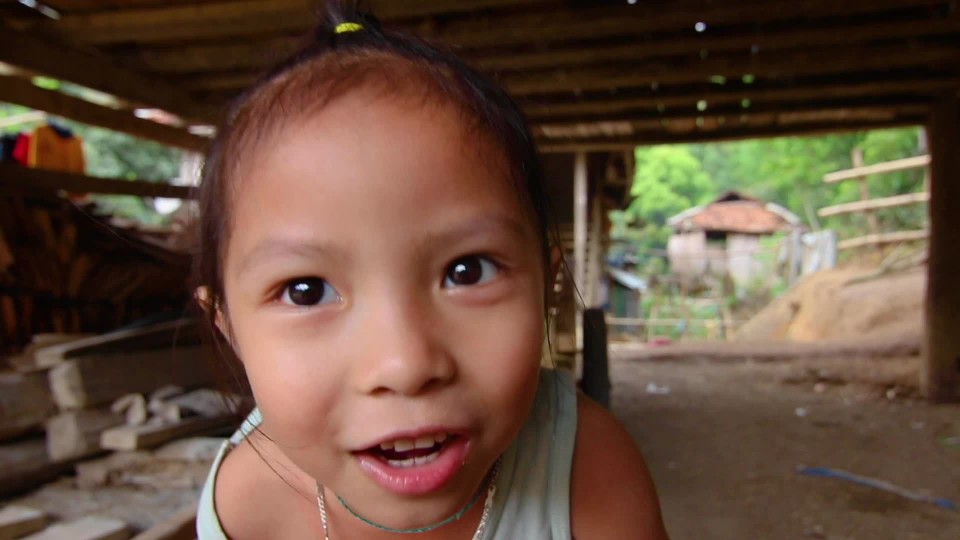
(477, 535)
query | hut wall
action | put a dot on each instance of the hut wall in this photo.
(742, 262)
(687, 253)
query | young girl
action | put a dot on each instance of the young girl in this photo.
(375, 254)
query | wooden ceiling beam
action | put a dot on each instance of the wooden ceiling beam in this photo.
(239, 18)
(33, 53)
(714, 95)
(712, 44)
(716, 135)
(213, 58)
(555, 26)
(23, 92)
(25, 178)
(880, 106)
(808, 62)
(257, 54)
(663, 72)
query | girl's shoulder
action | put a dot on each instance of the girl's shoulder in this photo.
(252, 500)
(612, 493)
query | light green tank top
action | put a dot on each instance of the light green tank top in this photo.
(533, 491)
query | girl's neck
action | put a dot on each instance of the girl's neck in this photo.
(342, 525)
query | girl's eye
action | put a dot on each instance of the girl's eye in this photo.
(307, 292)
(471, 270)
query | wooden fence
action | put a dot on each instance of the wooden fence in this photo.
(868, 206)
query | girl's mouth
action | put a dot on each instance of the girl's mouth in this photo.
(407, 453)
(415, 466)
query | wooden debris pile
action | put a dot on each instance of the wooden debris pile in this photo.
(66, 269)
(127, 390)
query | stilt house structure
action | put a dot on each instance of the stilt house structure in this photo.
(596, 78)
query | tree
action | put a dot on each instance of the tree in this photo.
(667, 180)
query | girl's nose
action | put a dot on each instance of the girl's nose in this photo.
(403, 353)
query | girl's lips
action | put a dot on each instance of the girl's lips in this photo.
(418, 479)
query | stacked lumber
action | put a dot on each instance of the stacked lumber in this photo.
(130, 389)
(31, 524)
(66, 269)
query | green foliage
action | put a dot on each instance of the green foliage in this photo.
(788, 171)
(667, 180)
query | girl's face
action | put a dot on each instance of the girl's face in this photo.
(384, 291)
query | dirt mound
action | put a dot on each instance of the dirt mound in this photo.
(844, 304)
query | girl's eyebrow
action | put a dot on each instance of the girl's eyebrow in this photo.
(479, 225)
(269, 249)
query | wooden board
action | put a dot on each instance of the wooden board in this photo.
(24, 465)
(179, 526)
(76, 434)
(25, 403)
(882, 239)
(23, 92)
(88, 528)
(149, 436)
(25, 362)
(15, 176)
(874, 204)
(184, 332)
(880, 168)
(35, 53)
(96, 473)
(17, 521)
(99, 378)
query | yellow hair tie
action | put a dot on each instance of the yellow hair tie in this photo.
(345, 27)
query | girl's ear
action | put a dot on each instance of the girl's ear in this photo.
(203, 298)
(556, 259)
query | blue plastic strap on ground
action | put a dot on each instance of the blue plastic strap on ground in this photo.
(824, 472)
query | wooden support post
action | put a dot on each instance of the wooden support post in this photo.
(872, 221)
(579, 244)
(940, 378)
(595, 252)
(596, 371)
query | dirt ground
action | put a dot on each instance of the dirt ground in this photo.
(723, 439)
(725, 442)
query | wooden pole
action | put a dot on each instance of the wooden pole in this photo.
(940, 378)
(872, 221)
(579, 245)
(595, 252)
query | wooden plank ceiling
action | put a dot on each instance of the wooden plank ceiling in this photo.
(598, 74)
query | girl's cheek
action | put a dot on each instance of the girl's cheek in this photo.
(293, 382)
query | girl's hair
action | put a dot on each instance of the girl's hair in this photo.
(347, 50)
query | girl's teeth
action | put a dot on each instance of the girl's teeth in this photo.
(412, 462)
(424, 442)
(403, 445)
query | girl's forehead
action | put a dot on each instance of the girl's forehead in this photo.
(367, 163)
